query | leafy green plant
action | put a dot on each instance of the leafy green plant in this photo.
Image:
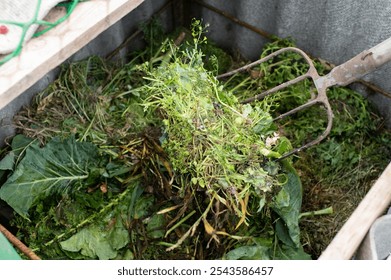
(218, 146)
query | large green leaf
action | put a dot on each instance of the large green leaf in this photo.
(108, 234)
(287, 205)
(42, 171)
(98, 241)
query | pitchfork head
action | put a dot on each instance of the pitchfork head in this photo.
(319, 97)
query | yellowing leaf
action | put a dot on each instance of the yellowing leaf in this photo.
(243, 204)
(169, 209)
(208, 228)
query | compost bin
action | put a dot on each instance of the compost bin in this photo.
(242, 29)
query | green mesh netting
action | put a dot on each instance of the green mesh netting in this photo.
(6, 25)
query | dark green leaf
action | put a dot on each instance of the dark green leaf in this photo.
(7, 163)
(155, 226)
(116, 169)
(256, 252)
(96, 241)
(20, 143)
(53, 168)
(284, 252)
(142, 206)
(287, 205)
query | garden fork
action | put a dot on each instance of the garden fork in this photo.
(342, 75)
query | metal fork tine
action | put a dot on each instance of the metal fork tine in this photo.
(299, 108)
(275, 89)
(259, 61)
(325, 133)
(321, 97)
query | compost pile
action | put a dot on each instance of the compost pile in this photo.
(157, 159)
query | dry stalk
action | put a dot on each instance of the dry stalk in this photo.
(18, 244)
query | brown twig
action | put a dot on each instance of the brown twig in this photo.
(18, 244)
(375, 88)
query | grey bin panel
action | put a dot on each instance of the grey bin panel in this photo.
(377, 243)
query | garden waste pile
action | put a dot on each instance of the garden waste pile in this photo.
(157, 159)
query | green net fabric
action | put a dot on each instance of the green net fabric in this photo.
(35, 19)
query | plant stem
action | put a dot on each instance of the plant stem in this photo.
(325, 211)
(180, 222)
(19, 244)
(91, 218)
